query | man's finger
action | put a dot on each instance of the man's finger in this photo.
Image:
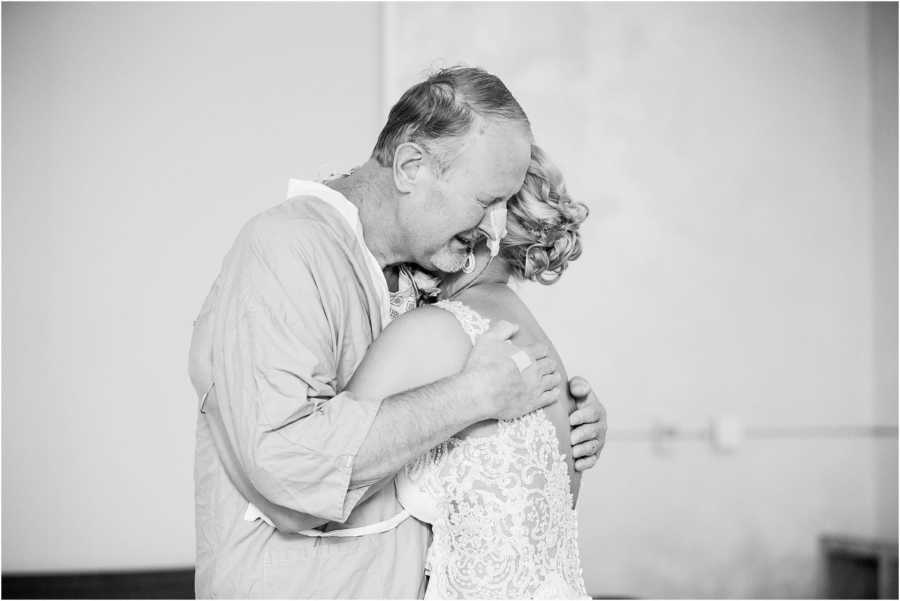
(549, 397)
(537, 351)
(551, 381)
(586, 449)
(545, 367)
(585, 463)
(587, 414)
(502, 330)
(579, 387)
(585, 432)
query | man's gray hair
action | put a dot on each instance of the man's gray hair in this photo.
(439, 111)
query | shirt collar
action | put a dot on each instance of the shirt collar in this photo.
(350, 213)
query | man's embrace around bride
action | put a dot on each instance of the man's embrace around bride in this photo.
(499, 495)
(296, 456)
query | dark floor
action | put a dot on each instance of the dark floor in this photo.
(168, 584)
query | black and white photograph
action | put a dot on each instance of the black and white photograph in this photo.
(449, 300)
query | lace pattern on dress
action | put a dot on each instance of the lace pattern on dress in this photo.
(503, 522)
(473, 324)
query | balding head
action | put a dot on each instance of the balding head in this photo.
(438, 113)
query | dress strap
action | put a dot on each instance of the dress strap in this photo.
(473, 324)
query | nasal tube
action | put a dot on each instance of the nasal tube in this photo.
(496, 233)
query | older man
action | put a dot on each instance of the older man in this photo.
(294, 492)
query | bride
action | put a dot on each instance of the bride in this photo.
(499, 495)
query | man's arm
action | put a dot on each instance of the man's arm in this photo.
(422, 417)
(299, 443)
(456, 386)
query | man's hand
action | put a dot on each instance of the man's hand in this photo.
(588, 423)
(512, 392)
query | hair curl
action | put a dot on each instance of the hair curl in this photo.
(542, 224)
(439, 111)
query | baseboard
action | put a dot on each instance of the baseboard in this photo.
(155, 584)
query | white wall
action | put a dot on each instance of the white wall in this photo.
(883, 125)
(730, 267)
(739, 259)
(137, 139)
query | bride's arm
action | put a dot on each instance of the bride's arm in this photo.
(426, 345)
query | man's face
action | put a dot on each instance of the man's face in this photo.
(450, 214)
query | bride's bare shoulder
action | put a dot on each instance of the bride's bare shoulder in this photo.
(417, 348)
(428, 335)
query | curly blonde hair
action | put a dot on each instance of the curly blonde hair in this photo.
(542, 224)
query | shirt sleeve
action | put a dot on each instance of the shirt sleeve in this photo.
(275, 345)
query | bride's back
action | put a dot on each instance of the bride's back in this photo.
(498, 302)
(498, 495)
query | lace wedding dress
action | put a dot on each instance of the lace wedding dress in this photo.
(500, 508)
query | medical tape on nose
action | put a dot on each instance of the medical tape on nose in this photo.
(497, 218)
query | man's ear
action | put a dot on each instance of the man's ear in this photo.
(409, 161)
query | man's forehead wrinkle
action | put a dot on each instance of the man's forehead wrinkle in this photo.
(460, 146)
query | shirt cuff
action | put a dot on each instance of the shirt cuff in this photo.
(308, 464)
